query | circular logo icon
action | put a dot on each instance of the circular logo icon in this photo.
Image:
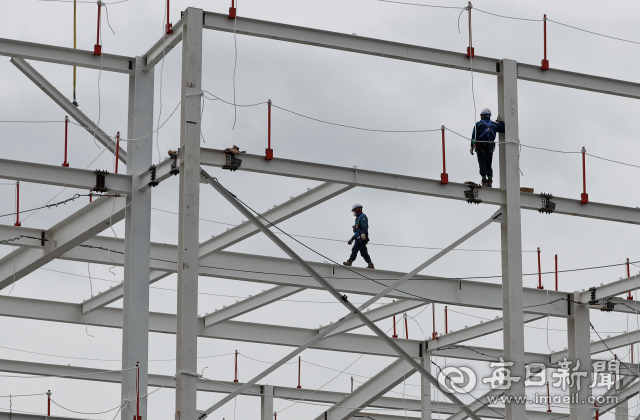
(459, 380)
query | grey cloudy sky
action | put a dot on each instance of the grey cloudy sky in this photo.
(344, 88)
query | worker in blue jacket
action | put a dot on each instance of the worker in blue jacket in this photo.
(360, 236)
(483, 142)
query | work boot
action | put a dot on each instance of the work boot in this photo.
(490, 182)
(485, 183)
(348, 263)
(371, 266)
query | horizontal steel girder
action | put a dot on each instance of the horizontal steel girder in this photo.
(67, 56)
(414, 53)
(414, 185)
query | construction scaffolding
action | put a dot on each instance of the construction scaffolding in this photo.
(127, 197)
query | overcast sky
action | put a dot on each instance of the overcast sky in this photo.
(344, 88)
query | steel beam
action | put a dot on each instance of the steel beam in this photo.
(135, 331)
(67, 56)
(69, 107)
(266, 402)
(189, 208)
(415, 185)
(115, 293)
(602, 346)
(164, 45)
(64, 177)
(370, 391)
(416, 54)
(511, 236)
(578, 340)
(5, 415)
(64, 236)
(426, 401)
(613, 289)
(10, 232)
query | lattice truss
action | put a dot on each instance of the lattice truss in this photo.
(144, 262)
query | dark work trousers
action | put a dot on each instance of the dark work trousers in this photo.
(485, 156)
(362, 247)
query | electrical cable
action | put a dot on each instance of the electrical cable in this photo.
(79, 412)
(86, 321)
(611, 351)
(421, 5)
(48, 206)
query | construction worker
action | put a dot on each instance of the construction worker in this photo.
(482, 141)
(360, 236)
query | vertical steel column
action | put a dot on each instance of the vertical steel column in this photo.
(511, 240)
(135, 322)
(187, 322)
(622, 411)
(266, 403)
(579, 343)
(425, 395)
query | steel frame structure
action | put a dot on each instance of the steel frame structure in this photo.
(145, 262)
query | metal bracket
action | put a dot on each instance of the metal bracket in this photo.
(152, 176)
(174, 165)
(232, 162)
(593, 300)
(472, 195)
(548, 206)
(607, 306)
(101, 181)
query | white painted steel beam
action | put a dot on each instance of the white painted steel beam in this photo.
(426, 400)
(377, 314)
(369, 392)
(613, 289)
(415, 53)
(511, 236)
(250, 304)
(603, 346)
(578, 340)
(67, 56)
(64, 236)
(115, 293)
(64, 177)
(69, 107)
(10, 232)
(164, 45)
(188, 323)
(415, 185)
(5, 415)
(266, 402)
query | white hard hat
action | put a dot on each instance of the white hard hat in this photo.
(355, 206)
(485, 111)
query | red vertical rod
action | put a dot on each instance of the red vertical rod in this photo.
(117, 150)
(168, 29)
(444, 177)
(434, 335)
(597, 412)
(232, 11)
(584, 197)
(470, 51)
(352, 384)
(556, 272)
(446, 321)
(406, 327)
(629, 297)
(97, 49)
(395, 335)
(49, 403)
(269, 152)
(138, 391)
(299, 362)
(17, 223)
(275, 416)
(545, 62)
(539, 272)
(548, 399)
(236, 377)
(90, 196)
(66, 132)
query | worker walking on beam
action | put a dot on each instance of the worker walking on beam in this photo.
(483, 142)
(360, 236)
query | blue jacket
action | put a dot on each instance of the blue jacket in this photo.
(486, 130)
(361, 226)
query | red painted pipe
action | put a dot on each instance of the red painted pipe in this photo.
(556, 272)
(545, 62)
(470, 51)
(548, 399)
(117, 150)
(406, 327)
(444, 177)
(49, 403)
(66, 132)
(597, 412)
(236, 377)
(232, 11)
(629, 275)
(168, 28)
(90, 196)
(97, 49)
(17, 223)
(269, 151)
(434, 335)
(539, 272)
(446, 322)
(395, 335)
(299, 362)
(584, 198)
(352, 384)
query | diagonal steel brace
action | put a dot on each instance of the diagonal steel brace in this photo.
(353, 311)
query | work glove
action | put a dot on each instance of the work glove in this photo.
(471, 150)
(350, 241)
(363, 237)
(499, 119)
